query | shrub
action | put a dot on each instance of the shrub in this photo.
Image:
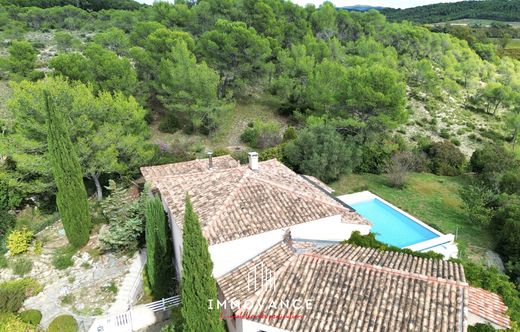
(370, 241)
(320, 151)
(272, 153)
(221, 152)
(3, 262)
(67, 299)
(491, 158)
(18, 241)
(13, 293)
(21, 266)
(9, 322)
(490, 279)
(446, 158)
(31, 316)
(289, 134)
(481, 328)
(477, 203)
(62, 258)
(38, 247)
(398, 168)
(455, 141)
(262, 134)
(376, 154)
(125, 221)
(63, 323)
(444, 133)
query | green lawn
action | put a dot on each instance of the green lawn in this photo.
(431, 198)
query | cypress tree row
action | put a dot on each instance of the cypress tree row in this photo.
(159, 265)
(198, 285)
(71, 197)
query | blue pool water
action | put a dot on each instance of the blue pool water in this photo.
(391, 226)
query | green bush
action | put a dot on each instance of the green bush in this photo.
(125, 221)
(38, 247)
(31, 316)
(481, 328)
(490, 279)
(221, 152)
(3, 262)
(370, 241)
(262, 134)
(289, 134)
(478, 203)
(63, 323)
(13, 293)
(444, 133)
(21, 266)
(9, 322)
(455, 141)
(272, 153)
(322, 152)
(18, 241)
(62, 258)
(446, 158)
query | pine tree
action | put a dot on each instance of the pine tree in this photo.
(198, 285)
(71, 197)
(159, 265)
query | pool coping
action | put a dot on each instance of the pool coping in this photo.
(441, 239)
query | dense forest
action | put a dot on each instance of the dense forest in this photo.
(500, 10)
(345, 92)
(90, 5)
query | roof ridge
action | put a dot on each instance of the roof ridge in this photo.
(222, 170)
(305, 196)
(388, 270)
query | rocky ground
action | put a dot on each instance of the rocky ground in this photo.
(87, 288)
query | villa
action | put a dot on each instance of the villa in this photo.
(274, 239)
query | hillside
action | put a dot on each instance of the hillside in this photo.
(428, 116)
(499, 10)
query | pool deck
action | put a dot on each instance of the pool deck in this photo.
(443, 243)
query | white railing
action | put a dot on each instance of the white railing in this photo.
(136, 291)
(164, 304)
(127, 322)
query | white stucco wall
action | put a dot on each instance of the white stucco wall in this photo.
(229, 255)
(177, 242)
(474, 319)
(327, 229)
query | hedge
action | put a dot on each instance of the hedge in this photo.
(63, 323)
(31, 316)
(13, 293)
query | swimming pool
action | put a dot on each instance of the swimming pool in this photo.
(391, 226)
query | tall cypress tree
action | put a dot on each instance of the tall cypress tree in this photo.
(71, 197)
(159, 266)
(198, 285)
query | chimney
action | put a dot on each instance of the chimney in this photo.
(253, 161)
(210, 159)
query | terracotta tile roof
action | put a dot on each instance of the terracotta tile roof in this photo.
(187, 167)
(319, 183)
(234, 285)
(489, 306)
(433, 268)
(356, 290)
(234, 202)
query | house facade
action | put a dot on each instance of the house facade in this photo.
(274, 238)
